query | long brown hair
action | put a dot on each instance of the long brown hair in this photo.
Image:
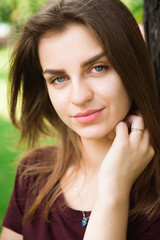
(124, 46)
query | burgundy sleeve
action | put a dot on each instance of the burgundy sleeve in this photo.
(153, 232)
(144, 229)
(16, 207)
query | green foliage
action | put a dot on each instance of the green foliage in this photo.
(26, 9)
(18, 11)
(6, 8)
(136, 7)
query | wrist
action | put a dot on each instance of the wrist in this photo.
(113, 199)
(113, 191)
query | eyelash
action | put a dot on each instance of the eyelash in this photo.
(54, 79)
(104, 67)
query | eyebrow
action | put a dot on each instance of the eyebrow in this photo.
(53, 71)
(86, 63)
(93, 59)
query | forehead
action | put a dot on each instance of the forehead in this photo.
(71, 28)
(75, 42)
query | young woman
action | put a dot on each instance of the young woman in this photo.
(82, 72)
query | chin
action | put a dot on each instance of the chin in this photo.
(97, 133)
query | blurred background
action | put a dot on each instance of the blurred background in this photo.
(13, 15)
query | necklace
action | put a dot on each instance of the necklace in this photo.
(84, 219)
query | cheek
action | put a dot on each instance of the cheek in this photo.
(59, 103)
(55, 100)
(116, 96)
(126, 100)
(117, 92)
(124, 103)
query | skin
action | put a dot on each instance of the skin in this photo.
(79, 78)
(8, 234)
(82, 85)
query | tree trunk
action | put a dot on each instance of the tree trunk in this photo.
(152, 35)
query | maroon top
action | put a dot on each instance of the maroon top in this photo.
(66, 223)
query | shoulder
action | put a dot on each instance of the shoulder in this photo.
(33, 170)
(36, 159)
(35, 167)
(36, 155)
(35, 164)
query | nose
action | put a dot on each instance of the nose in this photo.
(81, 92)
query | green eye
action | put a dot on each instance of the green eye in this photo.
(99, 68)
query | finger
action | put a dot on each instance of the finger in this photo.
(136, 126)
(121, 131)
(146, 138)
(146, 142)
(135, 121)
(136, 130)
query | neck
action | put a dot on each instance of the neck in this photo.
(94, 151)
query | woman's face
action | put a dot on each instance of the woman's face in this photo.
(86, 92)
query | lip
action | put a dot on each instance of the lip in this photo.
(88, 116)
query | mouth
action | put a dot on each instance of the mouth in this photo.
(87, 116)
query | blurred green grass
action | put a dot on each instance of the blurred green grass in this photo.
(8, 139)
(8, 154)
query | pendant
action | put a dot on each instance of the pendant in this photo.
(84, 222)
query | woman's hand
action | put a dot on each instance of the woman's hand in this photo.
(128, 156)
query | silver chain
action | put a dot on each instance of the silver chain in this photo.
(85, 219)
